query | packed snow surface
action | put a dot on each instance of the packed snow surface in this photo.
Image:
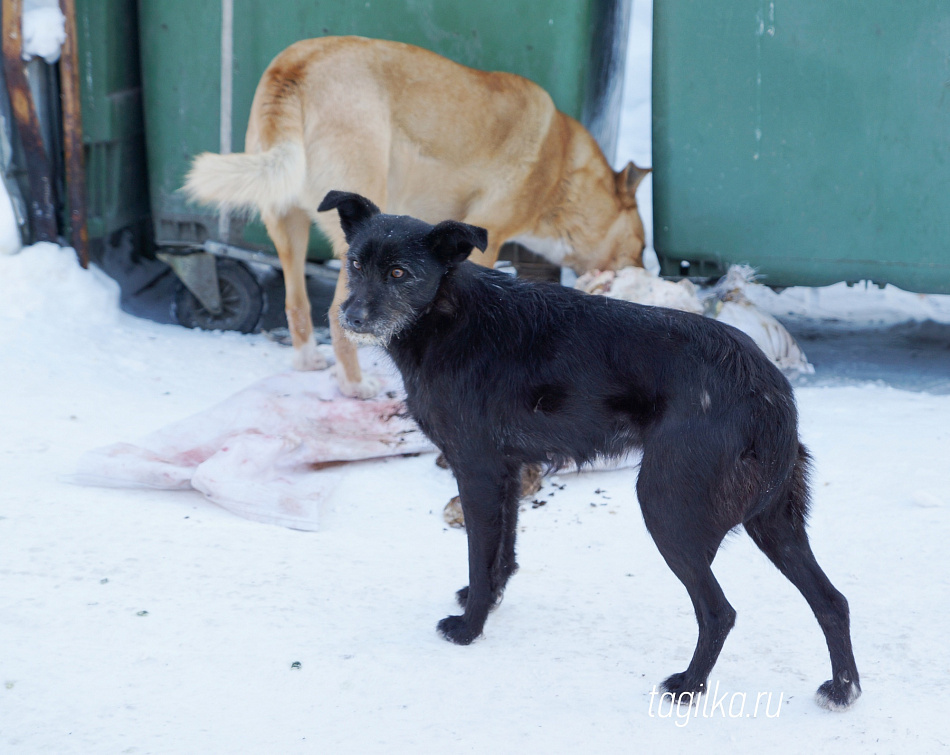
(155, 621)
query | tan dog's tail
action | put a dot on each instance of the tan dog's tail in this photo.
(268, 182)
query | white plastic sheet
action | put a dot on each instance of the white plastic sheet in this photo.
(269, 453)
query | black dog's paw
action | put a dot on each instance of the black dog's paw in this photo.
(456, 629)
(837, 696)
(684, 688)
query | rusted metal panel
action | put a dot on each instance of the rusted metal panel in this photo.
(42, 210)
(73, 135)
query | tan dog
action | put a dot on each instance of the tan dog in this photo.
(423, 136)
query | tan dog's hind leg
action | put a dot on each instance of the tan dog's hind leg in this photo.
(349, 376)
(291, 233)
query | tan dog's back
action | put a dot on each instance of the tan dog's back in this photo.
(443, 135)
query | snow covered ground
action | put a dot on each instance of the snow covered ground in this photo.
(147, 621)
(155, 622)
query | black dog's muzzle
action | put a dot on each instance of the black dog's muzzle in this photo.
(354, 316)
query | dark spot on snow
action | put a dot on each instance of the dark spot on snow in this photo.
(142, 613)
(104, 581)
(295, 664)
(536, 504)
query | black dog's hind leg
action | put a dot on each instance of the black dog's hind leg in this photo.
(781, 535)
(687, 533)
(489, 498)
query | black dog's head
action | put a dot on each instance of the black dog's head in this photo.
(395, 264)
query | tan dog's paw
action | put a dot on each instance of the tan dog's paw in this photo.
(531, 475)
(368, 387)
(309, 358)
(452, 513)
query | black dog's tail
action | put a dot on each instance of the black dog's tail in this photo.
(783, 490)
(782, 464)
(797, 495)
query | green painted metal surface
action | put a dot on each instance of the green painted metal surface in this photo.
(573, 48)
(810, 139)
(113, 130)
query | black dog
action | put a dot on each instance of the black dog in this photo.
(501, 373)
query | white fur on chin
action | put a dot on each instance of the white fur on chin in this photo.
(365, 339)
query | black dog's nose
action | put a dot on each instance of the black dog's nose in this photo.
(355, 317)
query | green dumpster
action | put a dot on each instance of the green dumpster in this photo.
(808, 139)
(573, 48)
(113, 129)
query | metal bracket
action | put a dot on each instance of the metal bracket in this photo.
(325, 272)
(199, 272)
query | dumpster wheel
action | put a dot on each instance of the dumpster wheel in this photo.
(242, 301)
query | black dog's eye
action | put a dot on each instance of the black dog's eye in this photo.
(397, 272)
(357, 265)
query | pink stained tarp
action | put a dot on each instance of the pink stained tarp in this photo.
(270, 453)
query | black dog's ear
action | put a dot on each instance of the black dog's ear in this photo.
(452, 241)
(354, 210)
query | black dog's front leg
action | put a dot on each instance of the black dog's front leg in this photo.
(490, 505)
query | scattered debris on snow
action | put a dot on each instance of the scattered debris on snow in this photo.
(726, 302)
(733, 307)
(641, 286)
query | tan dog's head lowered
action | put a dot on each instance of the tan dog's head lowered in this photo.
(629, 226)
(608, 234)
